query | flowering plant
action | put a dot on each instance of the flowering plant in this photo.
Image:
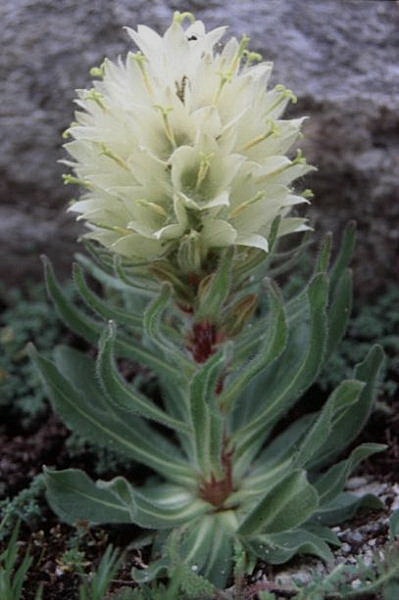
(181, 150)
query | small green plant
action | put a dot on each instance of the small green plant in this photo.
(24, 507)
(27, 316)
(13, 570)
(360, 581)
(187, 194)
(184, 584)
(96, 585)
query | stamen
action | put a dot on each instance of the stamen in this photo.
(157, 208)
(98, 71)
(71, 179)
(285, 93)
(273, 130)
(116, 228)
(169, 131)
(258, 196)
(105, 151)
(252, 57)
(97, 97)
(227, 76)
(179, 17)
(205, 163)
(142, 64)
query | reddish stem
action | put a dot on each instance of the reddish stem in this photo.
(203, 341)
(216, 491)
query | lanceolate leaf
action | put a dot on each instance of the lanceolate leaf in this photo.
(279, 548)
(344, 255)
(75, 319)
(156, 332)
(286, 506)
(132, 436)
(74, 497)
(207, 421)
(332, 482)
(208, 546)
(123, 395)
(283, 446)
(80, 370)
(339, 311)
(323, 259)
(343, 507)
(218, 290)
(91, 330)
(353, 417)
(345, 395)
(102, 308)
(272, 347)
(293, 374)
(102, 276)
(153, 513)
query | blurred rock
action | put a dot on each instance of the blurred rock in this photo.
(339, 56)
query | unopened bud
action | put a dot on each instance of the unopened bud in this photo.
(240, 314)
(164, 271)
(189, 253)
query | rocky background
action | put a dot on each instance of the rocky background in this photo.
(341, 57)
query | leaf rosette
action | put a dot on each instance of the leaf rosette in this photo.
(234, 473)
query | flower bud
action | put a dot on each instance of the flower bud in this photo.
(189, 253)
(240, 314)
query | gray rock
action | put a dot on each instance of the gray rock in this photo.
(339, 56)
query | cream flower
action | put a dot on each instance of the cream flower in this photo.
(182, 145)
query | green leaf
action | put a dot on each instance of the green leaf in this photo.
(285, 444)
(207, 545)
(80, 370)
(273, 344)
(343, 507)
(207, 422)
(104, 309)
(279, 548)
(91, 330)
(332, 482)
(168, 508)
(339, 311)
(344, 255)
(344, 396)
(353, 417)
(153, 322)
(156, 569)
(99, 274)
(72, 317)
(212, 300)
(289, 378)
(123, 395)
(323, 259)
(131, 435)
(287, 505)
(74, 497)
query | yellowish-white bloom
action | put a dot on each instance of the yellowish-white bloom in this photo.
(181, 148)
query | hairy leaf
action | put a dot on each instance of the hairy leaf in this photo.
(75, 497)
(286, 506)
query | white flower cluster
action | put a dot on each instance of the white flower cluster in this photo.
(181, 146)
